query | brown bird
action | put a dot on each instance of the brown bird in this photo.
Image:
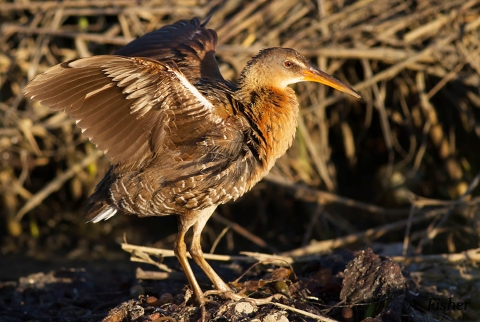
(182, 140)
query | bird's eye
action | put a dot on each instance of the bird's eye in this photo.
(288, 63)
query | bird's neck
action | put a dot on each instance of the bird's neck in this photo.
(274, 112)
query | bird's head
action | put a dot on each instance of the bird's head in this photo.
(280, 67)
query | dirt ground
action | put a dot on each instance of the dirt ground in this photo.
(89, 278)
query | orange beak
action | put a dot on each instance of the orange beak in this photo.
(316, 75)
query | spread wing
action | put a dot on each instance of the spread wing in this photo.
(127, 106)
(187, 43)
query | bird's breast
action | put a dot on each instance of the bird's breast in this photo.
(273, 116)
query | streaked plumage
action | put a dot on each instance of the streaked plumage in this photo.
(181, 139)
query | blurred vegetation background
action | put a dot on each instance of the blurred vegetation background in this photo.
(402, 161)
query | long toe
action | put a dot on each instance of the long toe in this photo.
(226, 294)
(236, 297)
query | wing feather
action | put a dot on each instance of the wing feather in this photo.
(187, 43)
(121, 102)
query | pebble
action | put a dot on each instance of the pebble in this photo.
(153, 301)
(276, 317)
(166, 298)
(245, 307)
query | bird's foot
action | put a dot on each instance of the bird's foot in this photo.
(203, 317)
(237, 297)
(232, 296)
(225, 294)
(202, 300)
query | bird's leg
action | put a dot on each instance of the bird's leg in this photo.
(180, 250)
(197, 254)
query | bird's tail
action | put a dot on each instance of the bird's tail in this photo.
(98, 211)
(99, 205)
